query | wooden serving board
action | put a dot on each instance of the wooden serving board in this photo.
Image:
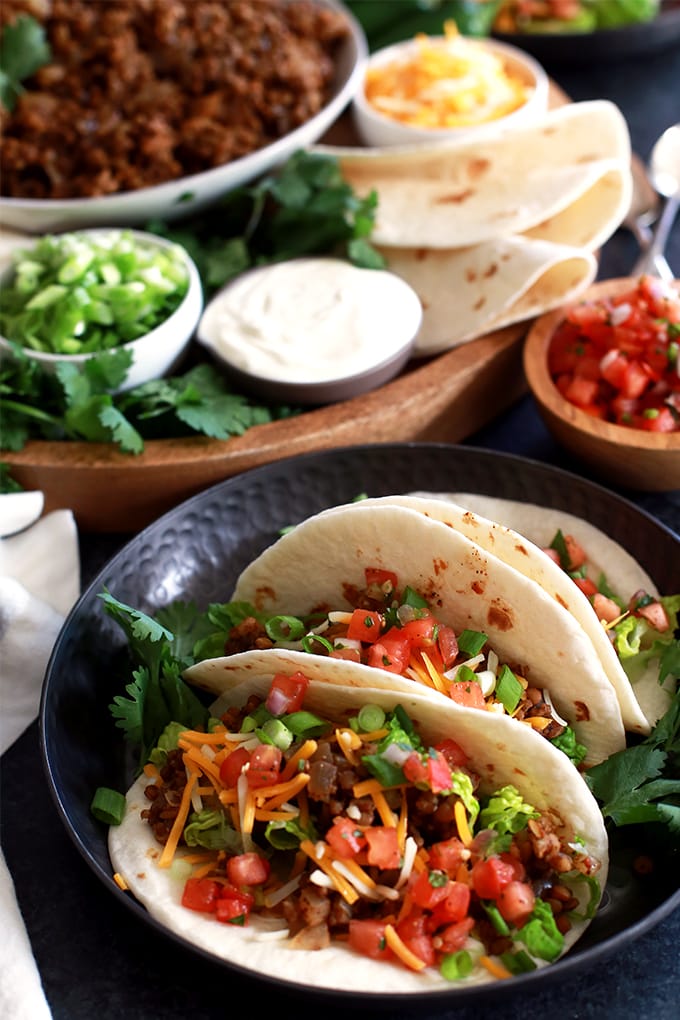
(442, 400)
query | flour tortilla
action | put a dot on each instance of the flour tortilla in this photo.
(643, 702)
(456, 194)
(323, 558)
(468, 292)
(499, 753)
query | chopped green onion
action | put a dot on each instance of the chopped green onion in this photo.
(517, 963)
(310, 640)
(285, 628)
(455, 966)
(180, 870)
(304, 724)
(278, 733)
(412, 598)
(466, 675)
(508, 689)
(496, 918)
(108, 806)
(471, 642)
(371, 717)
(80, 293)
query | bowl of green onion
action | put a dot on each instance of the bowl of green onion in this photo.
(126, 295)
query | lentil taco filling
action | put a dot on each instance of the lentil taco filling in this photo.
(350, 828)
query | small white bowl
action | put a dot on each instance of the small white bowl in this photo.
(313, 330)
(157, 352)
(378, 130)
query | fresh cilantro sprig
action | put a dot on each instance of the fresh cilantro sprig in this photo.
(23, 50)
(641, 784)
(157, 694)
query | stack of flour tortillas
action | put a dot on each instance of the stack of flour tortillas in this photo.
(501, 229)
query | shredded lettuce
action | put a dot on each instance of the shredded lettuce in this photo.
(211, 829)
(166, 742)
(506, 812)
(568, 744)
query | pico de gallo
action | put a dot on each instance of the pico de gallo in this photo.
(641, 626)
(355, 829)
(394, 628)
(616, 358)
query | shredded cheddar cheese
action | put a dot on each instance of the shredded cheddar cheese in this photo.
(462, 823)
(401, 950)
(445, 83)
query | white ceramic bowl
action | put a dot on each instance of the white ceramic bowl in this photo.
(377, 129)
(313, 330)
(156, 353)
(179, 198)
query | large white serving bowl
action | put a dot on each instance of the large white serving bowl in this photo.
(179, 198)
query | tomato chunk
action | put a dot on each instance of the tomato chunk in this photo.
(248, 869)
(365, 625)
(368, 938)
(287, 693)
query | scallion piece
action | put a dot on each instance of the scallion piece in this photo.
(517, 963)
(466, 675)
(455, 966)
(108, 806)
(471, 642)
(278, 733)
(310, 640)
(496, 918)
(285, 628)
(370, 717)
(508, 689)
(304, 724)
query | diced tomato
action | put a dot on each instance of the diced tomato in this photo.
(582, 392)
(553, 554)
(515, 902)
(447, 643)
(248, 869)
(392, 652)
(453, 937)
(613, 367)
(232, 766)
(490, 876)
(453, 752)
(368, 938)
(662, 420)
(467, 692)
(265, 766)
(452, 907)
(365, 625)
(234, 908)
(447, 855)
(635, 380)
(438, 772)
(587, 586)
(201, 894)
(345, 837)
(575, 552)
(428, 888)
(379, 577)
(348, 654)
(383, 846)
(605, 608)
(415, 769)
(412, 930)
(287, 693)
(518, 869)
(420, 632)
(655, 614)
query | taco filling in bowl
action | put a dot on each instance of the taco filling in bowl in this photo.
(379, 832)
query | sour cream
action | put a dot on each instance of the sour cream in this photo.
(311, 320)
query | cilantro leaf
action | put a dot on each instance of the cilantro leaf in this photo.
(23, 50)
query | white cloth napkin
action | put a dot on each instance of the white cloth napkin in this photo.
(39, 582)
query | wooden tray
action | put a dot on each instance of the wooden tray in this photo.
(442, 400)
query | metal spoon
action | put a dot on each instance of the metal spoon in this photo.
(664, 174)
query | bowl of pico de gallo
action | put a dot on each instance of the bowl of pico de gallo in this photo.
(605, 373)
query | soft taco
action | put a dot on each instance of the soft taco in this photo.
(565, 176)
(362, 839)
(614, 599)
(403, 599)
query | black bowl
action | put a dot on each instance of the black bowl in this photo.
(196, 551)
(606, 45)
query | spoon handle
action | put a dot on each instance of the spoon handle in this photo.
(654, 261)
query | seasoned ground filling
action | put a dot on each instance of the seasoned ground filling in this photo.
(316, 915)
(139, 92)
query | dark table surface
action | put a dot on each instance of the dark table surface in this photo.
(98, 961)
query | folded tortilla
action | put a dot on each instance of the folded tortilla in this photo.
(499, 752)
(548, 175)
(468, 292)
(322, 561)
(518, 532)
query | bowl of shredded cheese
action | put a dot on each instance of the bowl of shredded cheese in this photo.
(433, 87)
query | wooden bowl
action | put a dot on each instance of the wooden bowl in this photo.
(628, 457)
